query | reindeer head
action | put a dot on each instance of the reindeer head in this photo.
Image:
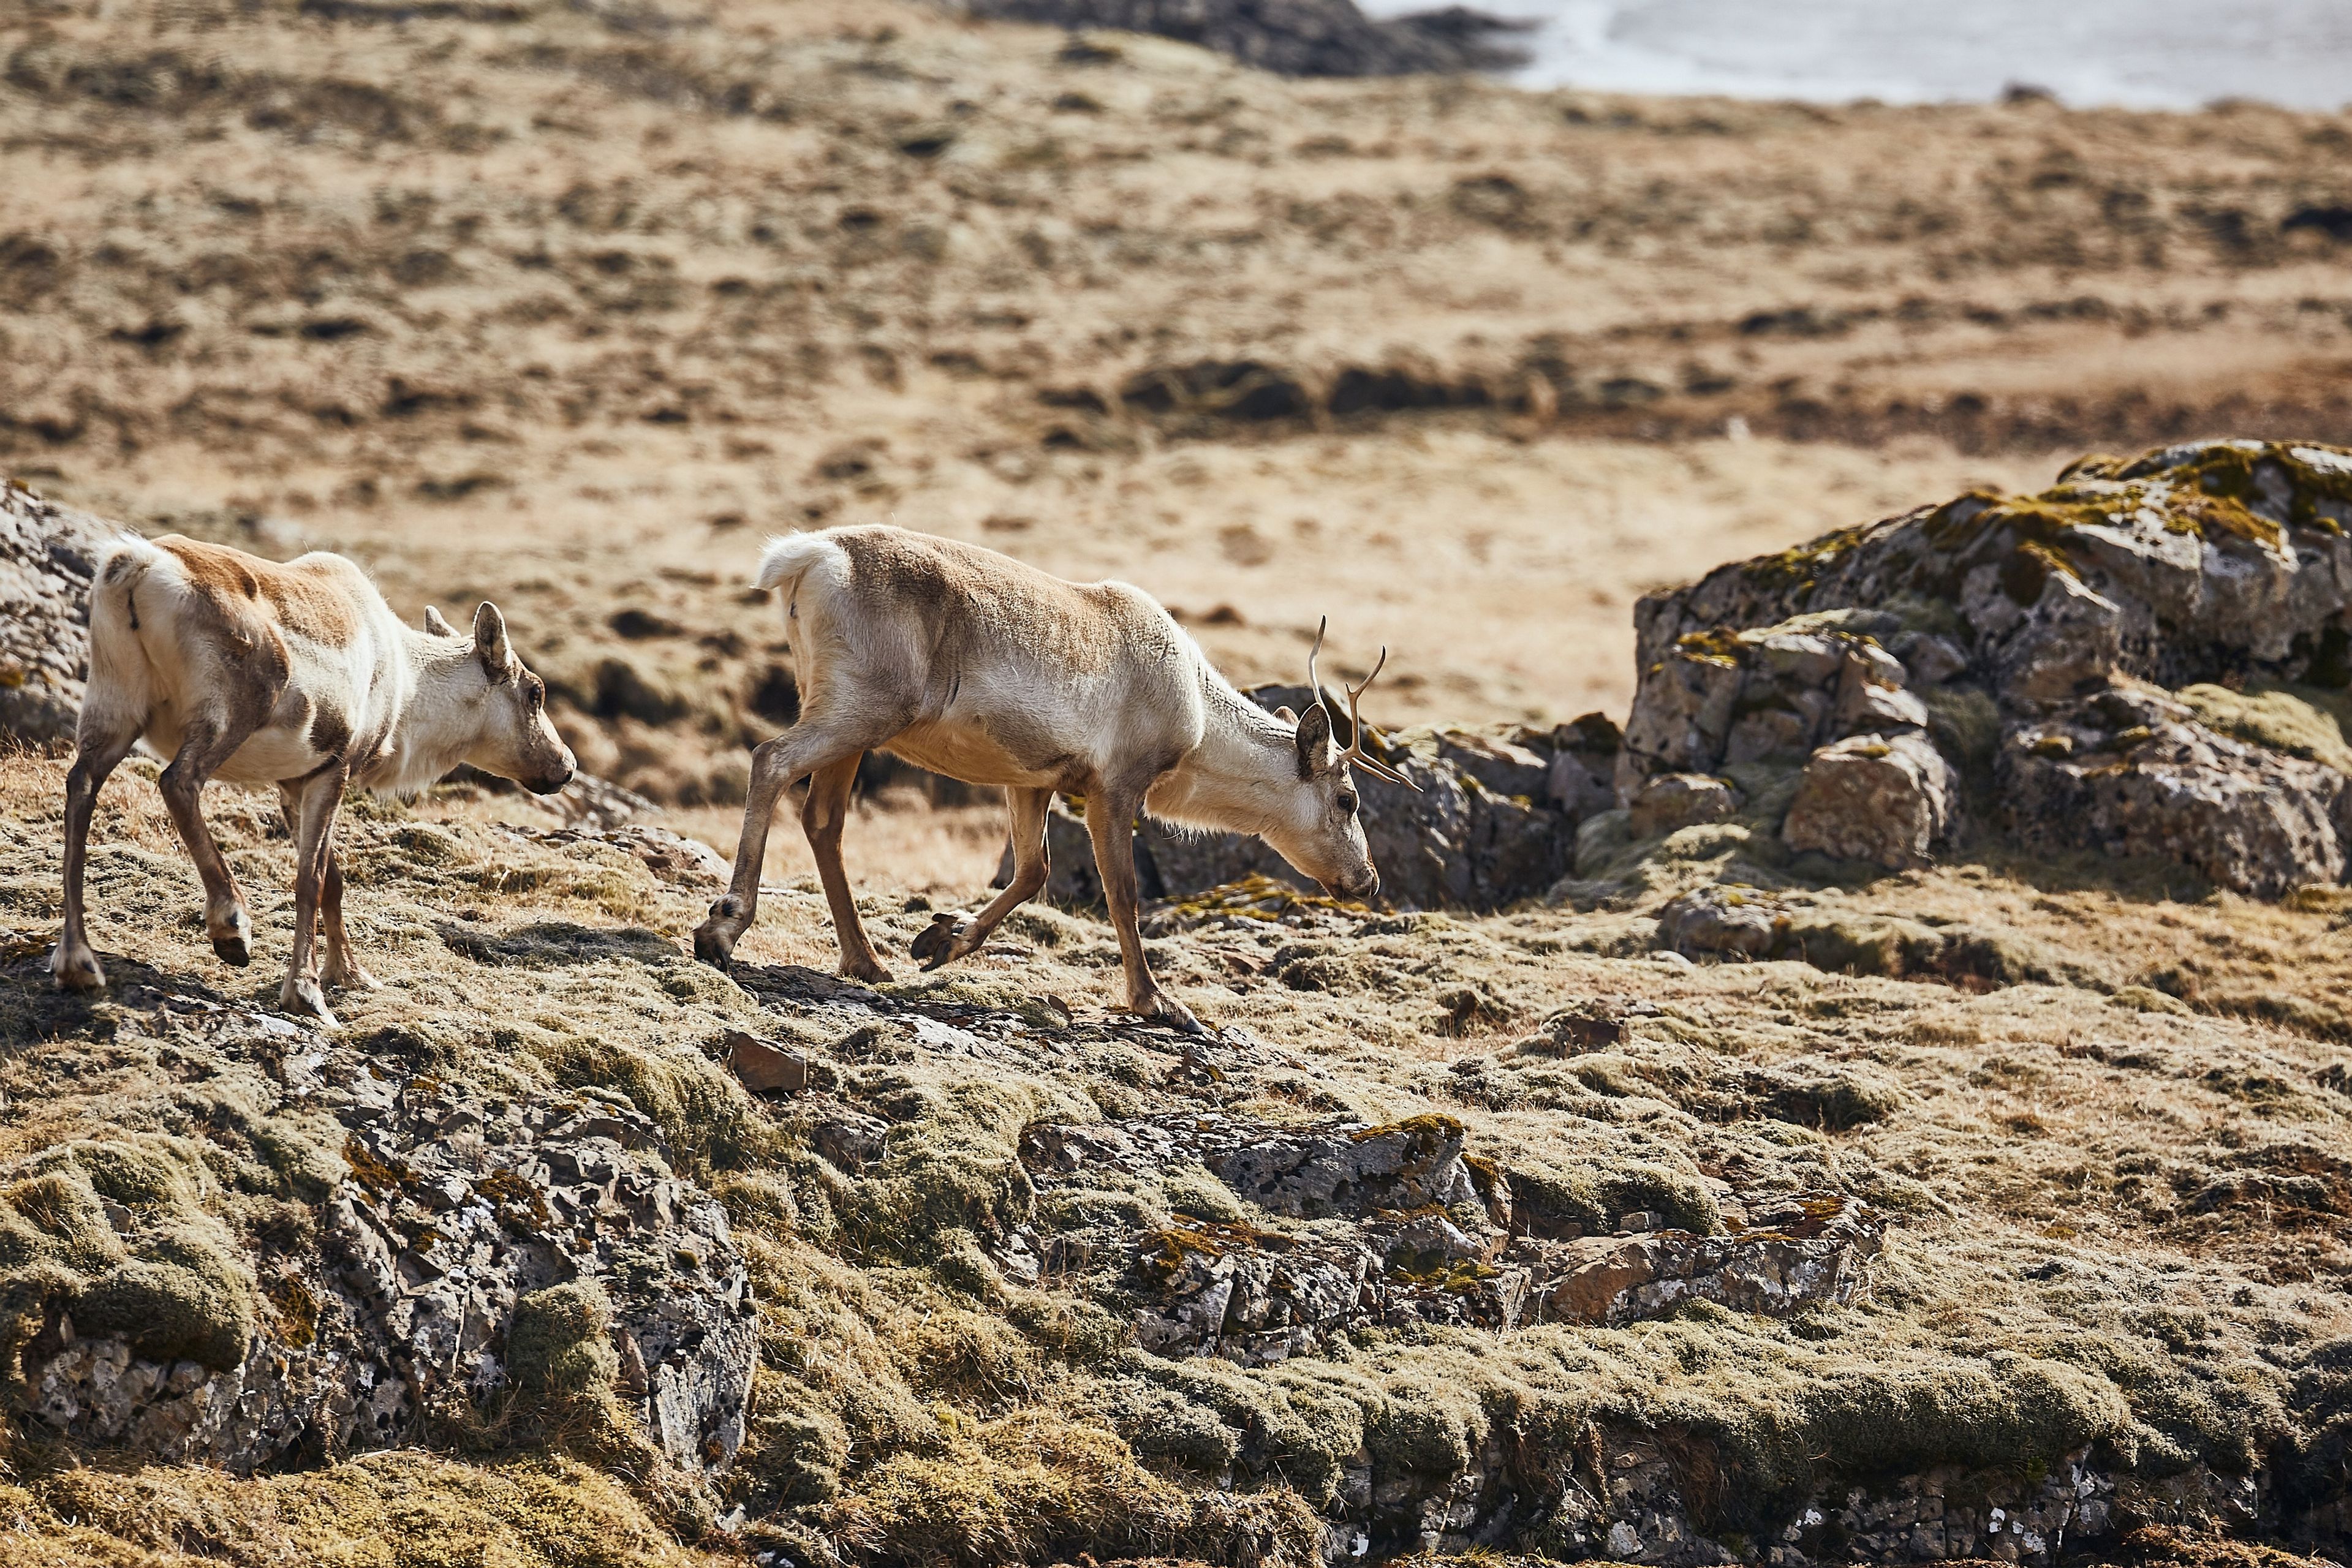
(513, 736)
(1323, 834)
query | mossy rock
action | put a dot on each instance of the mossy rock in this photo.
(559, 1347)
(2147, 999)
(2278, 717)
(183, 1297)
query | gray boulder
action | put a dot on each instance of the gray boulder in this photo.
(47, 555)
(2223, 562)
(1669, 801)
(1293, 37)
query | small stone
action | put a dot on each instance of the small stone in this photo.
(764, 1067)
(1674, 800)
(1885, 800)
(1720, 919)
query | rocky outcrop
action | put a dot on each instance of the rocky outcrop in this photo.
(452, 1208)
(1293, 37)
(47, 554)
(1430, 1237)
(2029, 648)
(1795, 1251)
(1887, 799)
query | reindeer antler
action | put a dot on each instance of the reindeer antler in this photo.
(1355, 752)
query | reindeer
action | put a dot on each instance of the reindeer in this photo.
(973, 664)
(298, 675)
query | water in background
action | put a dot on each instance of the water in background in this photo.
(2153, 54)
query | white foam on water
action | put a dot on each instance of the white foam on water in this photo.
(2148, 54)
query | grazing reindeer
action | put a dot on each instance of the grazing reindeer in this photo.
(298, 675)
(971, 664)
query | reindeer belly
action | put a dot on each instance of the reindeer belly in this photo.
(300, 737)
(977, 757)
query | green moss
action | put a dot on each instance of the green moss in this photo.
(1800, 566)
(1837, 1098)
(1195, 1189)
(2143, 999)
(1162, 1425)
(558, 1346)
(184, 1297)
(2275, 718)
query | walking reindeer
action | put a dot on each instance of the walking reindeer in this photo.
(298, 675)
(971, 664)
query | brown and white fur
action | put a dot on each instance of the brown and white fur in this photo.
(974, 666)
(299, 675)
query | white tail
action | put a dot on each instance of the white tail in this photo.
(788, 558)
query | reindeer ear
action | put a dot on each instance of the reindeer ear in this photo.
(490, 643)
(436, 624)
(1314, 751)
(1286, 716)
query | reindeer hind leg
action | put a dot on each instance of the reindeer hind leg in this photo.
(202, 752)
(951, 937)
(104, 741)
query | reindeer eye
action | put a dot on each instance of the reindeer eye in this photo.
(1347, 802)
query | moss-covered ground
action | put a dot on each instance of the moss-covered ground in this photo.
(2121, 1189)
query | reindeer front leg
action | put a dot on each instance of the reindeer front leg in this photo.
(1111, 823)
(817, 742)
(319, 797)
(341, 971)
(951, 937)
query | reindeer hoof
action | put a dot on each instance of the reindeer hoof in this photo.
(235, 951)
(303, 996)
(350, 978)
(713, 947)
(872, 974)
(1167, 1009)
(78, 972)
(937, 943)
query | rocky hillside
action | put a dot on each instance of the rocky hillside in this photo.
(1994, 1207)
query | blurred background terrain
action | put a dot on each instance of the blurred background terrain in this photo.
(571, 304)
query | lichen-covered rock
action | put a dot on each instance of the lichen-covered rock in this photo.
(2135, 774)
(454, 1207)
(1395, 1226)
(47, 554)
(1715, 920)
(1796, 1251)
(2221, 562)
(1888, 801)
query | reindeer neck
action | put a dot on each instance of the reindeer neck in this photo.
(1241, 775)
(436, 725)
